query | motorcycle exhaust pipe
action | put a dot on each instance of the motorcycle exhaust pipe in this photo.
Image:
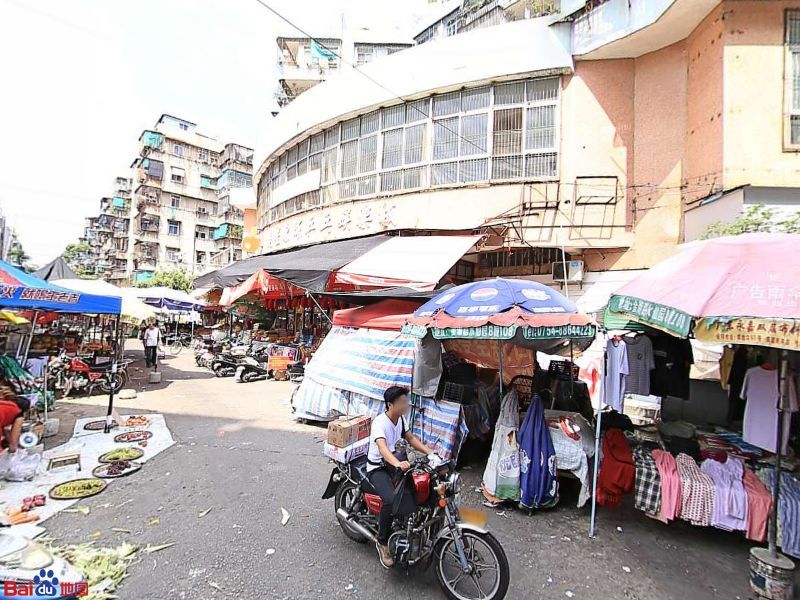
(342, 514)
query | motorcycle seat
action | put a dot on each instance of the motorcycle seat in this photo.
(358, 468)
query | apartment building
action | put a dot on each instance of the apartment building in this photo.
(174, 212)
(304, 62)
(603, 134)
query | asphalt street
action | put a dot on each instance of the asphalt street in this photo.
(240, 457)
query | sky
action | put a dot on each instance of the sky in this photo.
(81, 79)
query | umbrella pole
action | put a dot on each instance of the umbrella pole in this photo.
(776, 483)
(314, 300)
(114, 367)
(598, 420)
(30, 338)
(500, 363)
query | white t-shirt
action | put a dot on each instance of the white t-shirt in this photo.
(151, 336)
(382, 427)
(760, 389)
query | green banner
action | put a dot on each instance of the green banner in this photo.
(559, 332)
(663, 317)
(414, 330)
(484, 332)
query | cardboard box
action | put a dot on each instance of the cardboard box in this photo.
(348, 430)
(348, 453)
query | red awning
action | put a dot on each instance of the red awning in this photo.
(389, 315)
(267, 286)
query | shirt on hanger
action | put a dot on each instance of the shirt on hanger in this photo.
(760, 389)
(640, 363)
(616, 370)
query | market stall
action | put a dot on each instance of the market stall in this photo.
(735, 290)
(21, 291)
(367, 341)
(501, 324)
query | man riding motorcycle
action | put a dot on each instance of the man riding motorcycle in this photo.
(383, 465)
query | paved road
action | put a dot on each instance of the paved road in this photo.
(241, 455)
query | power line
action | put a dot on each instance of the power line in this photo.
(440, 124)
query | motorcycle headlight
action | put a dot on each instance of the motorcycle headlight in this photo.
(454, 483)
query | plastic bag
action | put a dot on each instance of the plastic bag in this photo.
(22, 466)
(5, 461)
(501, 478)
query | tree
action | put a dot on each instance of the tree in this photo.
(176, 280)
(77, 257)
(16, 253)
(754, 219)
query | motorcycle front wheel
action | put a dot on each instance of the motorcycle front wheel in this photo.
(488, 576)
(119, 380)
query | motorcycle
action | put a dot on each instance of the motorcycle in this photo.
(255, 366)
(470, 563)
(75, 374)
(224, 364)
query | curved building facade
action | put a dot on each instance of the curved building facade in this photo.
(595, 133)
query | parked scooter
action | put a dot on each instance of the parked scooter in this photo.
(255, 365)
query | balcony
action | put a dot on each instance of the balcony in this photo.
(609, 30)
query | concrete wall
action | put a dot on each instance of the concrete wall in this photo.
(754, 89)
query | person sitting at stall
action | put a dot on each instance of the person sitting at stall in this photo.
(384, 466)
(12, 409)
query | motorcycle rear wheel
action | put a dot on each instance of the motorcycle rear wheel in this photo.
(343, 499)
(485, 555)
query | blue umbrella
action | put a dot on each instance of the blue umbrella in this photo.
(483, 298)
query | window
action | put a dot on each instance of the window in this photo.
(175, 201)
(179, 149)
(200, 257)
(792, 78)
(178, 175)
(201, 233)
(174, 227)
(451, 26)
(174, 254)
(203, 155)
(498, 132)
(184, 126)
(364, 55)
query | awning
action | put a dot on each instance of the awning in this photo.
(418, 262)
(388, 315)
(267, 286)
(22, 291)
(364, 297)
(56, 269)
(132, 308)
(307, 267)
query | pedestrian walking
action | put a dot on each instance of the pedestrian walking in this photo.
(152, 337)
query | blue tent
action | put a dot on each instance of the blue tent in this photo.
(19, 290)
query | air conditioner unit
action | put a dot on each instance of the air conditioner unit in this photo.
(574, 271)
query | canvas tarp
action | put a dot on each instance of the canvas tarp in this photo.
(56, 269)
(19, 290)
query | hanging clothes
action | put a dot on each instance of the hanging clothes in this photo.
(730, 499)
(501, 476)
(673, 359)
(789, 514)
(697, 492)
(735, 381)
(538, 468)
(670, 486)
(725, 366)
(617, 472)
(648, 482)
(760, 390)
(759, 506)
(640, 363)
(616, 370)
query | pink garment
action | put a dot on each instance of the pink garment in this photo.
(759, 505)
(670, 486)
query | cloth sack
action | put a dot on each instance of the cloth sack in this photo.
(502, 475)
(22, 466)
